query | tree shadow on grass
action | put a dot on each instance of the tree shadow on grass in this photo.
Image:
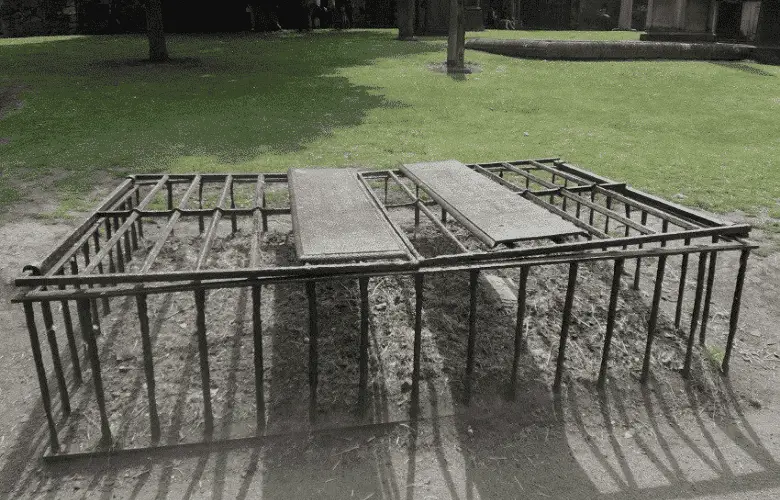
(231, 100)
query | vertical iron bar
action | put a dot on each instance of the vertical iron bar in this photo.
(258, 354)
(418, 306)
(652, 324)
(97, 378)
(263, 214)
(611, 314)
(681, 288)
(96, 241)
(695, 315)
(311, 294)
(387, 179)
(364, 313)
(609, 207)
(169, 186)
(638, 269)
(111, 266)
(203, 350)
(146, 344)
(565, 185)
(201, 224)
(51, 335)
(735, 306)
(140, 219)
(41, 371)
(519, 340)
(133, 233)
(592, 199)
(120, 258)
(93, 302)
(628, 229)
(69, 335)
(443, 215)
(705, 315)
(473, 281)
(567, 307)
(126, 238)
(417, 207)
(233, 221)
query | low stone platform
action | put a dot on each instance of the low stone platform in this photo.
(612, 50)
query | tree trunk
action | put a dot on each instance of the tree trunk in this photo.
(626, 14)
(768, 30)
(456, 41)
(158, 52)
(406, 11)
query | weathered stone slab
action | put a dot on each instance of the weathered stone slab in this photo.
(490, 211)
(334, 218)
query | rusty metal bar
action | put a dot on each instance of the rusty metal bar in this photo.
(592, 231)
(213, 225)
(498, 179)
(735, 306)
(96, 241)
(203, 352)
(567, 307)
(575, 197)
(51, 336)
(520, 341)
(41, 371)
(122, 231)
(201, 225)
(652, 324)
(638, 268)
(301, 273)
(695, 315)
(647, 208)
(146, 345)
(420, 206)
(133, 232)
(97, 378)
(566, 175)
(93, 302)
(473, 281)
(140, 221)
(418, 309)
(111, 267)
(257, 330)
(71, 338)
(705, 315)
(311, 295)
(417, 207)
(681, 288)
(412, 254)
(611, 314)
(363, 348)
(233, 221)
(168, 229)
(257, 324)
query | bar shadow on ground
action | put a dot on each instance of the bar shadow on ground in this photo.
(537, 445)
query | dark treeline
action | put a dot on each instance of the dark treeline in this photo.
(46, 17)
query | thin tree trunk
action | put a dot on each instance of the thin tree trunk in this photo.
(457, 37)
(406, 11)
(158, 51)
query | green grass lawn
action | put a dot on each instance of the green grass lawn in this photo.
(251, 103)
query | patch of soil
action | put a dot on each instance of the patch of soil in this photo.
(286, 346)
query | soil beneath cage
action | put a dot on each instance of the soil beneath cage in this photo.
(286, 343)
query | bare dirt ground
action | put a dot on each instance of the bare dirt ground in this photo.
(712, 438)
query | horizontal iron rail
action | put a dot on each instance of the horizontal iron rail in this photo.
(262, 277)
(512, 253)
